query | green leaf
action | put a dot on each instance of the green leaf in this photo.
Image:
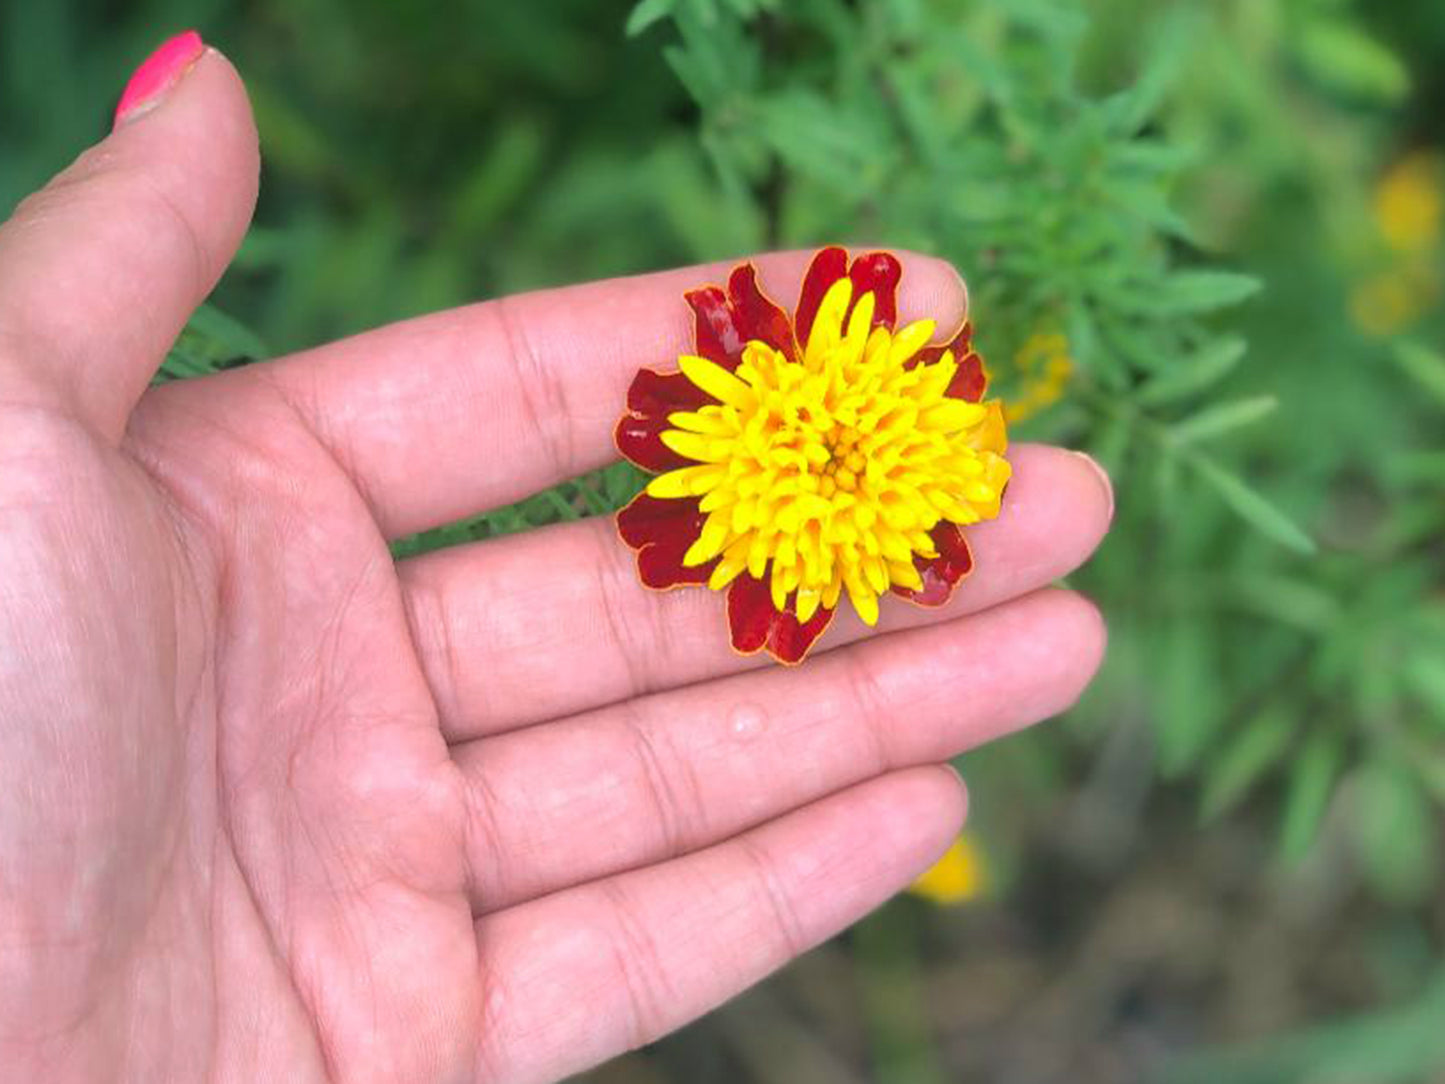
(841, 149)
(1394, 833)
(1183, 293)
(1261, 743)
(1250, 506)
(227, 333)
(1221, 418)
(1425, 366)
(1425, 673)
(1111, 442)
(562, 507)
(1403, 1044)
(1296, 601)
(1185, 378)
(210, 341)
(1311, 782)
(1166, 50)
(646, 13)
(1190, 711)
(1342, 57)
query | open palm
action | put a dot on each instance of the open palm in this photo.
(276, 807)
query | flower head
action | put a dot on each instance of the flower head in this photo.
(959, 876)
(803, 459)
(1044, 363)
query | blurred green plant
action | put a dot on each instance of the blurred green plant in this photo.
(970, 130)
(1098, 169)
(1396, 1046)
(987, 133)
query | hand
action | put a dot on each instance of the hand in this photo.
(278, 808)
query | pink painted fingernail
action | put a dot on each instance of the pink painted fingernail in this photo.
(161, 71)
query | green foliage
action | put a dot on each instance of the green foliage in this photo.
(1398, 1046)
(1192, 194)
(1083, 192)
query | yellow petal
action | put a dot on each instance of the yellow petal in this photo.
(695, 446)
(860, 324)
(808, 600)
(677, 483)
(910, 340)
(876, 574)
(828, 324)
(951, 415)
(778, 587)
(959, 875)
(734, 560)
(718, 382)
(708, 420)
(862, 597)
(714, 536)
(992, 434)
(905, 574)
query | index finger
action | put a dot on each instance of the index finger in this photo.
(447, 415)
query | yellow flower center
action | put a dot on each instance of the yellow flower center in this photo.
(834, 469)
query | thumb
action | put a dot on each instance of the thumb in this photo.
(100, 269)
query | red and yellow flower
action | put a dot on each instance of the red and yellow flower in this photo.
(799, 459)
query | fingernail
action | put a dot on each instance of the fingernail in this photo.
(1104, 482)
(161, 71)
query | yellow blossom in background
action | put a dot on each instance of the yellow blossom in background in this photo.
(1391, 301)
(957, 877)
(1044, 364)
(1408, 203)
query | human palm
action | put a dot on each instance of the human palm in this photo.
(280, 808)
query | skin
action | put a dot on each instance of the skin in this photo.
(278, 808)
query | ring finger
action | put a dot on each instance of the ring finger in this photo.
(663, 775)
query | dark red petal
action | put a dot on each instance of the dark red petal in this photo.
(662, 393)
(878, 273)
(661, 567)
(640, 440)
(754, 313)
(791, 639)
(651, 398)
(715, 332)
(755, 623)
(828, 266)
(971, 381)
(940, 574)
(750, 613)
(661, 531)
(649, 519)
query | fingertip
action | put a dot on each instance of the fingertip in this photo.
(933, 803)
(955, 777)
(1106, 484)
(139, 230)
(157, 74)
(1096, 632)
(1055, 513)
(195, 112)
(933, 289)
(1082, 636)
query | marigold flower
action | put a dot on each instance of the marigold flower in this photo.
(959, 876)
(802, 458)
(1410, 203)
(1045, 365)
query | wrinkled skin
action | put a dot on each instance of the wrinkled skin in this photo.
(278, 808)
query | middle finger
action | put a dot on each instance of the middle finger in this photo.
(542, 625)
